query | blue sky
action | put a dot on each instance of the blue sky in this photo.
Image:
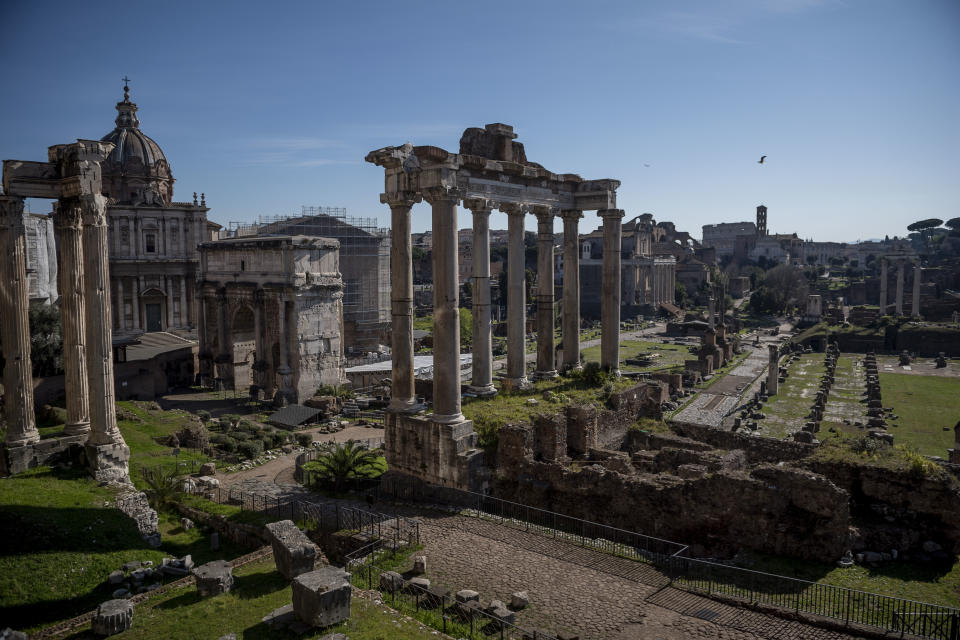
(268, 106)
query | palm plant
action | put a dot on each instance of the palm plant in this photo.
(339, 463)
(163, 488)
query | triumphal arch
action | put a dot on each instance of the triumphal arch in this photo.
(71, 176)
(490, 172)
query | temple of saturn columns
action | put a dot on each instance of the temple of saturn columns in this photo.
(72, 177)
(900, 259)
(490, 172)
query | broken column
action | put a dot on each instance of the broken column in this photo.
(214, 578)
(915, 307)
(112, 617)
(293, 552)
(446, 312)
(610, 305)
(321, 598)
(711, 320)
(773, 370)
(15, 326)
(899, 287)
(516, 298)
(403, 392)
(571, 289)
(546, 358)
(482, 380)
(69, 226)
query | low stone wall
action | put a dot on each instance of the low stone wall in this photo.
(247, 535)
(45, 452)
(136, 506)
(756, 448)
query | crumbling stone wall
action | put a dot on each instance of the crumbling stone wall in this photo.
(757, 449)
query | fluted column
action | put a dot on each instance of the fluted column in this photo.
(69, 226)
(546, 357)
(403, 388)
(899, 287)
(516, 298)
(482, 379)
(610, 305)
(446, 312)
(883, 286)
(15, 325)
(915, 307)
(571, 289)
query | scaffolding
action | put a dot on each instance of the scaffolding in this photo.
(364, 258)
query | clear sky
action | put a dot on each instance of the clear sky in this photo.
(266, 106)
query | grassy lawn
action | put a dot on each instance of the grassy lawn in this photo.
(845, 395)
(258, 589)
(668, 355)
(786, 412)
(59, 541)
(925, 404)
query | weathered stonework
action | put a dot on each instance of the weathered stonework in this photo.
(293, 551)
(442, 454)
(322, 598)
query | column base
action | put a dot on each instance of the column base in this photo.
(612, 371)
(567, 368)
(109, 463)
(516, 384)
(483, 391)
(77, 428)
(453, 418)
(407, 406)
(545, 375)
(23, 442)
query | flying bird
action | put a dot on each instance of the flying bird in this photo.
(762, 158)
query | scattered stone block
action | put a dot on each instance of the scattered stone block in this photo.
(229, 636)
(186, 523)
(420, 564)
(208, 469)
(418, 584)
(467, 595)
(112, 617)
(322, 597)
(116, 577)
(214, 578)
(293, 551)
(391, 581)
(519, 600)
(122, 592)
(10, 634)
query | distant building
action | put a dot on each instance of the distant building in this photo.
(723, 236)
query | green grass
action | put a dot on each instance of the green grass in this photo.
(258, 589)
(59, 541)
(670, 355)
(925, 404)
(787, 410)
(231, 512)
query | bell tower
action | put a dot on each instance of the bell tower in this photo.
(761, 221)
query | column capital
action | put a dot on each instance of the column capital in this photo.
(480, 205)
(513, 208)
(11, 211)
(571, 214)
(401, 198)
(611, 213)
(443, 194)
(94, 209)
(544, 213)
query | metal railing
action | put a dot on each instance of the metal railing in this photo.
(779, 593)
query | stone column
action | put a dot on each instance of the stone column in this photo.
(403, 395)
(610, 304)
(899, 287)
(446, 312)
(168, 286)
(546, 357)
(69, 225)
(710, 312)
(224, 357)
(482, 379)
(259, 349)
(285, 392)
(571, 289)
(135, 302)
(107, 453)
(883, 286)
(773, 370)
(915, 308)
(121, 320)
(116, 236)
(516, 298)
(15, 325)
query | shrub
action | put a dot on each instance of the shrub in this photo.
(240, 436)
(225, 442)
(250, 449)
(204, 416)
(266, 443)
(592, 374)
(247, 426)
(305, 439)
(230, 420)
(276, 439)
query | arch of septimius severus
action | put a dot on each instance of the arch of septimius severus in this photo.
(489, 172)
(71, 176)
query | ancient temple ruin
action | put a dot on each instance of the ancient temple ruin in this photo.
(72, 177)
(491, 171)
(900, 258)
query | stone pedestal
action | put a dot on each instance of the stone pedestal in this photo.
(214, 578)
(610, 305)
(112, 617)
(109, 463)
(444, 454)
(516, 299)
(571, 289)
(293, 551)
(546, 356)
(321, 598)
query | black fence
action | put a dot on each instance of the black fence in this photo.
(434, 605)
(778, 593)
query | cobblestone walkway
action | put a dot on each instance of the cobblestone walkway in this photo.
(578, 590)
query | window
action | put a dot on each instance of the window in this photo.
(243, 265)
(150, 241)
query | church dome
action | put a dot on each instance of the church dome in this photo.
(136, 172)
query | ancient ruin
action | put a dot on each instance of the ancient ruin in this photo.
(72, 177)
(490, 171)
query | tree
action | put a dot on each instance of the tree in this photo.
(347, 461)
(811, 260)
(466, 328)
(782, 288)
(46, 339)
(953, 224)
(680, 294)
(929, 223)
